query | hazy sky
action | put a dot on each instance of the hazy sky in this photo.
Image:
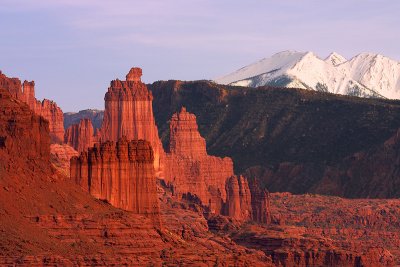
(73, 48)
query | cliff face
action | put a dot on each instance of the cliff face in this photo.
(50, 111)
(121, 173)
(296, 140)
(47, 109)
(129, 113)
(23, 136)
(80, 136)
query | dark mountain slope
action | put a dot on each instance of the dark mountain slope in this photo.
(263, 128)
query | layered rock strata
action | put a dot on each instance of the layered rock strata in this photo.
(47, 109)
(121, 173)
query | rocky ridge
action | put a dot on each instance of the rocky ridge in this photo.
(292, 140)
(365, 75)
(47, 109)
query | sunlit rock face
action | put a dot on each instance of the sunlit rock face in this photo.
(120, 172)
(129, 113)
(47, 109)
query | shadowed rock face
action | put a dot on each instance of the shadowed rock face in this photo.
(47, 109)
(95, 116)
(292, 140)
(121, 173)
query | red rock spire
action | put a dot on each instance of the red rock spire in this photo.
(134, 75)
(185, 138)
(129, 113)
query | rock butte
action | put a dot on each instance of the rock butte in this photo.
(129, 113)
(47, 109)
(186, 167)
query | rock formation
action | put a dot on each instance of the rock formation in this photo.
(121, 173)
(23, 135)
(344, 232)
(129, 113)
(45, 220)
(47, 109)
(185, 139)
(260, 202)
(80, 136)
(238, 198)
(188, 168)
(60, 156)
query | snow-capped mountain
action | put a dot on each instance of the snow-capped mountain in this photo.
(365, 75)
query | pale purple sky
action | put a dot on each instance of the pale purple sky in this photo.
(73, 48)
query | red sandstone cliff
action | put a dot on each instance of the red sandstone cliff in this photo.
(121, 173)
(129, 113)
(23, 135)
(47, 109)
(80, 136)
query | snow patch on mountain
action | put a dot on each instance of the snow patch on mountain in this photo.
(365, 75)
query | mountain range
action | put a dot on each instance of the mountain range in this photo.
(365, 75)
